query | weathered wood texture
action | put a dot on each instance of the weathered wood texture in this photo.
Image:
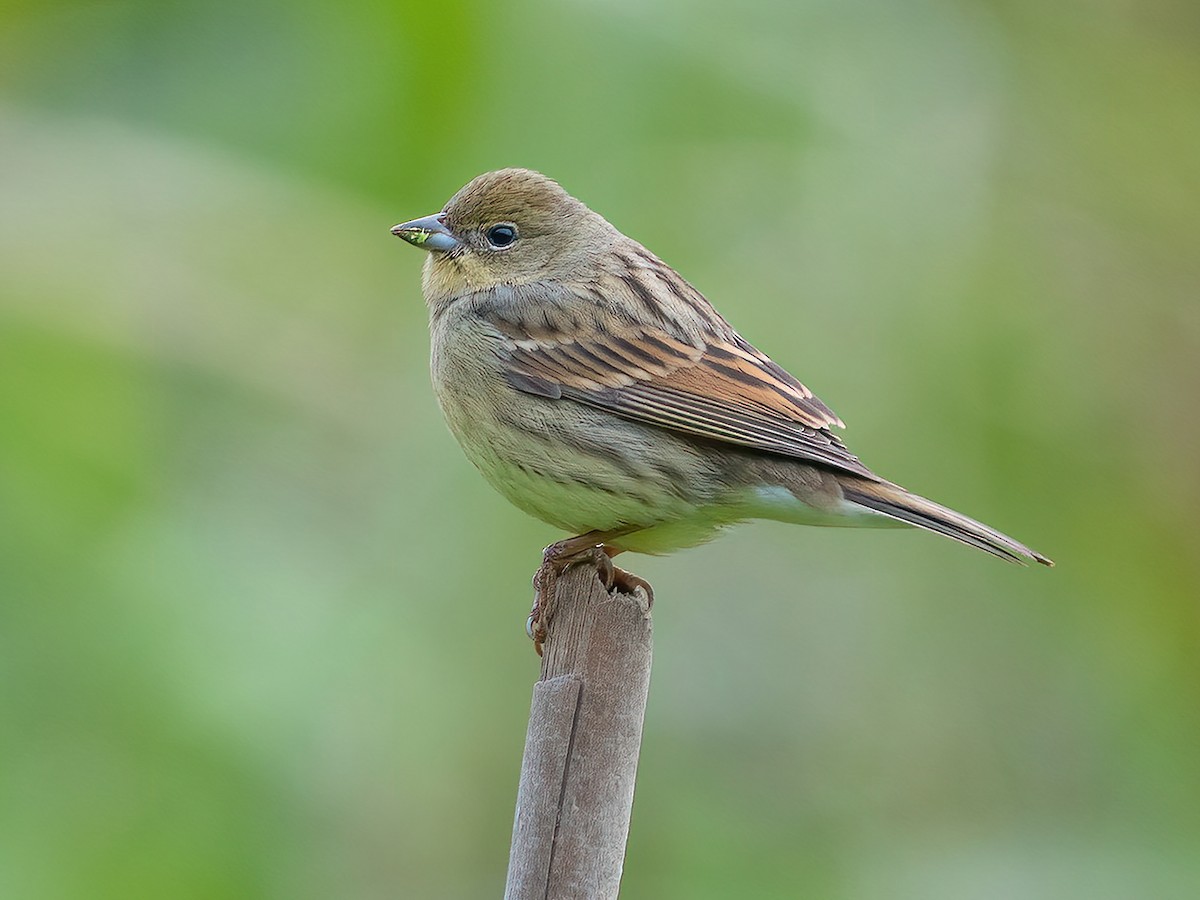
(581, 749)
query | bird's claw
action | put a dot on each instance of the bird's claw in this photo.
(627, 583)
(556, 559)
(605, 570)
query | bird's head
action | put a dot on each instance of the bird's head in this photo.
(512, 226)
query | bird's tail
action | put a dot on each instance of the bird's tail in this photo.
(893, 501)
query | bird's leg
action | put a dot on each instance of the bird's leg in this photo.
(556, 559)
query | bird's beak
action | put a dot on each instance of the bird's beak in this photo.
(429, 233)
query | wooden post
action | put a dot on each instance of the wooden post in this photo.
(581, 749)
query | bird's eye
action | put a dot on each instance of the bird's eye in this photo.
(501, 236)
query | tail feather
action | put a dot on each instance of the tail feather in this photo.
(892, 500)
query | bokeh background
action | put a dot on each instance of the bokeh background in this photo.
(261, 625)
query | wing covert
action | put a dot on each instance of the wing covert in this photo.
(724, 390)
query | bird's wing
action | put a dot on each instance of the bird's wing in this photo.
(723, 390)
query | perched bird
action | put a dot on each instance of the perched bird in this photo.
(599, 391)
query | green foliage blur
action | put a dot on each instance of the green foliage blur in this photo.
(261, 625)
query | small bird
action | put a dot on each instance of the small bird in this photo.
(599, 391)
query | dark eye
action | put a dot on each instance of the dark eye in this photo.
(501, 235)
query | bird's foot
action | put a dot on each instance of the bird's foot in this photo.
(556, 559)
(627, 583)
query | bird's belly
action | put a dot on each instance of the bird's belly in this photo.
(577, 468)
(578, 501)
(571, 466)
(574, 468)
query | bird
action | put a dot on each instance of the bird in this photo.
(602, 393)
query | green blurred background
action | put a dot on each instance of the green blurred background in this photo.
(261, 623)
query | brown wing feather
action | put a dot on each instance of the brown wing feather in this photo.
(724, 390)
